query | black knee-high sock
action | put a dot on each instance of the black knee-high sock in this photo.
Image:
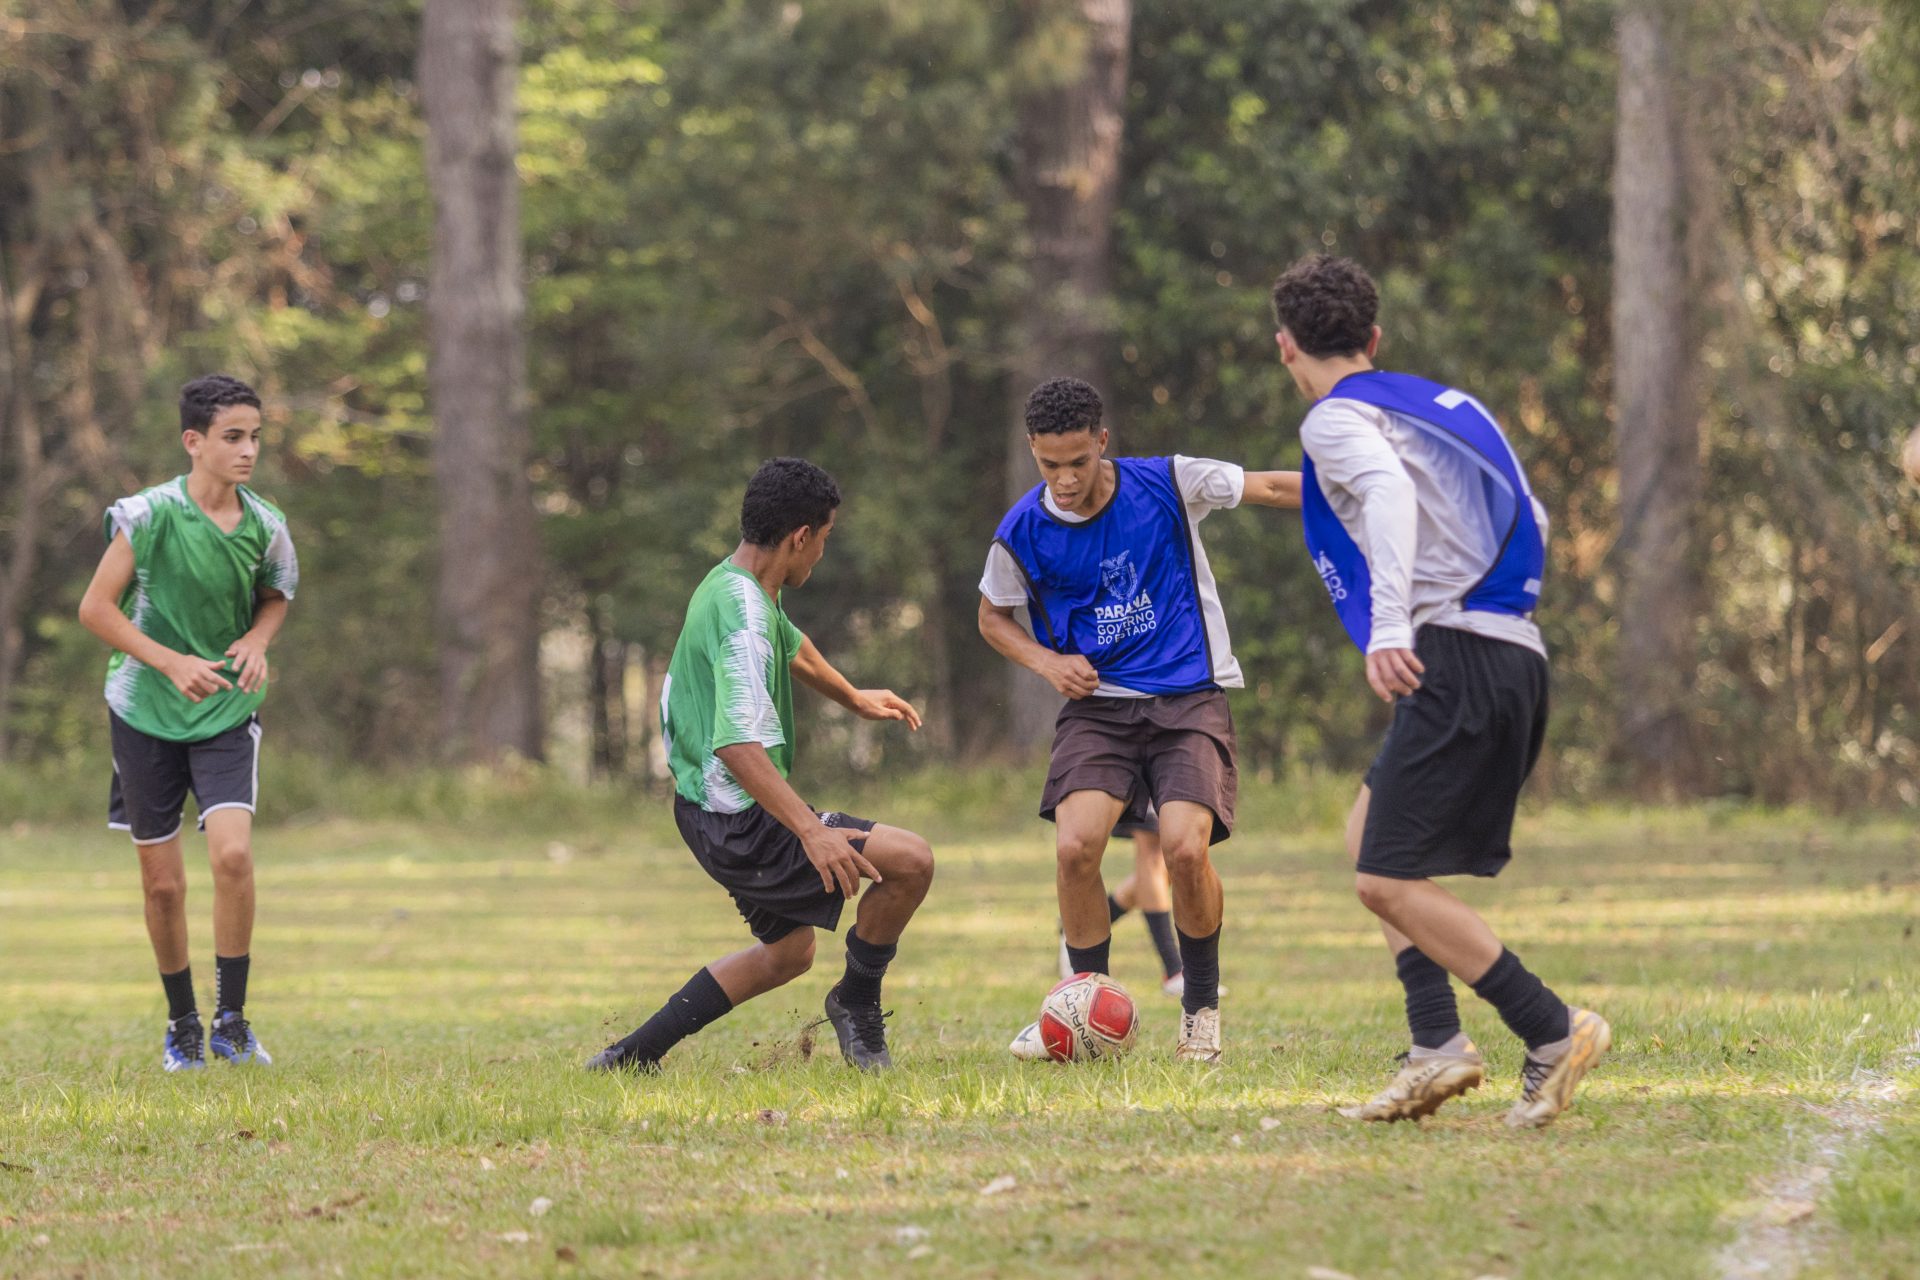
(692, 1007)
(1094, 959)
(179, 987)
(1160, 925)
(1530, 1010)
(1200, 961)
(1432, 1015)
(230, 983)
(1114, 909)
(866, 965)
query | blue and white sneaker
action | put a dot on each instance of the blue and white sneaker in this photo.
(234, 1040)
(185, 1046)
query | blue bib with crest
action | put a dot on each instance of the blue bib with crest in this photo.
(1120, 588)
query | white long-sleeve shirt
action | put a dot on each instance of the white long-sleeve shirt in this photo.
(1413, 506)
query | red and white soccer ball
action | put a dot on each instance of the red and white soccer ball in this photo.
(1087, 1016)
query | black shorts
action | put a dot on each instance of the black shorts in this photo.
(1147, 824)
(762, 864)
(1456, 754)
(151, 778)
(1147, 752)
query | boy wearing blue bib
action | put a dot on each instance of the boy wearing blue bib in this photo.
(1431, 546)
(1127, 626)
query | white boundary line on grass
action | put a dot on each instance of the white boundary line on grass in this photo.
(1779, 1237)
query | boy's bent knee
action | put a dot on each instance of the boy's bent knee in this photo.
(231, 861)
(1378, 894)
(1080, 852)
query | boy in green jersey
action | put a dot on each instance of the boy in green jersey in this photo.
(727, 716)
(192, 589)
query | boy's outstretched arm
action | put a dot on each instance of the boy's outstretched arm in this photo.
(1273, 489)
(195, 677)
(814, 671)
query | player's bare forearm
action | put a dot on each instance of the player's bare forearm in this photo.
(1272, 489)
(830, 849)
(1010, 640)
(1071, 675)
(269, 615)
(813, 670)
(754, 770)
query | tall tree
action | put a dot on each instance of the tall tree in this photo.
(488, 598)
(1067, 173)
(1657, 406)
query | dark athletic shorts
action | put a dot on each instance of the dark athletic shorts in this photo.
(1455, 756)
(151, 778)
(764, 867)
(1147, 752)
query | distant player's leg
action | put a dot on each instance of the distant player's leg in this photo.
(1154, 896)
(1083, 821)
(1186, 836)
(230, 852)
(1442, 1063)
(226, 776)
(150, 782)
(905, 864)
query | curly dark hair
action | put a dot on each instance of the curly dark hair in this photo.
(786, 494)
(1328, 304)
(202, 399)
(1060, 405)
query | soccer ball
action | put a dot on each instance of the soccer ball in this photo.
(1087, 1016)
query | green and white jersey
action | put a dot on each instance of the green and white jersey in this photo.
(194, 590)
(729, 682)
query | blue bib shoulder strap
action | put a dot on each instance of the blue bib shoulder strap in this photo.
(1511, 584)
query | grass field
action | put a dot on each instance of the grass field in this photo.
(430, 992)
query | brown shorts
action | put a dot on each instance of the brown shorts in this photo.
(1147, 752)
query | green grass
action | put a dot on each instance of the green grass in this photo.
(430, 991)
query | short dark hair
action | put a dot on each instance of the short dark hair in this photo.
(202, 399)
(1328, 304)
(1060, 405)
(786, 494)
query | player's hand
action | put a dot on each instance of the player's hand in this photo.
(831, 851)
(1072, 676)
(885, 704)
(196, 678)
(1394, 673)
(249, 663)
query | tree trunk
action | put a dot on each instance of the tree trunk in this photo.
(1657, 422)
(1068, 175)
(488, 597)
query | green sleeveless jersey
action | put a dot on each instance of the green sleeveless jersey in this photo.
(194, 590)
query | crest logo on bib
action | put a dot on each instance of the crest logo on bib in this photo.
(1120, 577)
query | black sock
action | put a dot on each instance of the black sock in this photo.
(229, 984)
(1160, 925)
(1114, 909)
(1432, 1015)
(866, 965)
(1529, 1009)
(692, 1007)
(179, 993)
(1200, 961)
(1091, 959)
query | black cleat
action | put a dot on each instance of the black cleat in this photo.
(862, 1031)
(614, 1058)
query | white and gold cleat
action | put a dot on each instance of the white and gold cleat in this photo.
(1430, 1078)
(1550, 1079)
(1028, 1046)
(1199, 1037)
